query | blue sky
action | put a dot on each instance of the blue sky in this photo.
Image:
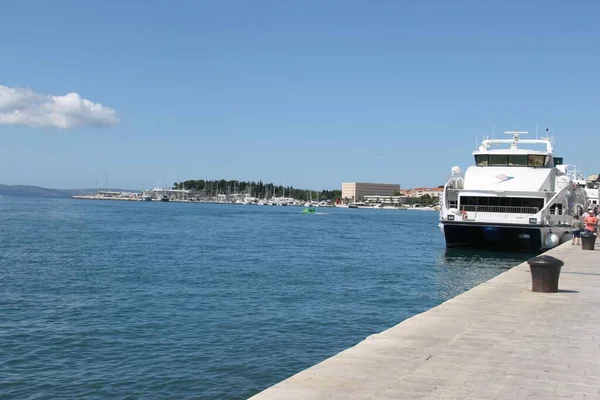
(312, 93)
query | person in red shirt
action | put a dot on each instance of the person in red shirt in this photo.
(587, 213)
(591, 222)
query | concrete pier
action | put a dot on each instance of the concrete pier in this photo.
(498, 340)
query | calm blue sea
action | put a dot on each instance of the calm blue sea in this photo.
(172, 300)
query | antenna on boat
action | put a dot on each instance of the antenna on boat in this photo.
(515, 138)
(536, 132)
(549, 139)
(547, 135)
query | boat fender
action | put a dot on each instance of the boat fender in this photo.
(552, 240)
(566, 237)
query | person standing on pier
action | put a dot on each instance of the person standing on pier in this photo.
(586, 214)
(591, 222)
(577, 226)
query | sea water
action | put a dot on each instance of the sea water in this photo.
(182, 300)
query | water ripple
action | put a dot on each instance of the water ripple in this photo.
(129, 300)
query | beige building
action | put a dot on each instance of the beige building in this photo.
(356, 191)
(418, 192)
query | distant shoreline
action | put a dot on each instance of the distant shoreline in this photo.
(38, 191)
(100, 198)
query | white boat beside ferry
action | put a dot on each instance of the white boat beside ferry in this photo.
(512, 198)
(590, 186)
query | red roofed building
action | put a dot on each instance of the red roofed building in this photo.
(418, 192)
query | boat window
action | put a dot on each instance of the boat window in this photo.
(481, 160)
(501, 204)
(498, 159)
(536, 160)
(514, 160)
(557, 161)
(556, 209)
(519, 160)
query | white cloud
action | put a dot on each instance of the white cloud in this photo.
(22, 106)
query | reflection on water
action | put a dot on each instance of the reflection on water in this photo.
(483, 258)
(457, 269)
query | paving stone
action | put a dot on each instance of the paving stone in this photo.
(578, 388)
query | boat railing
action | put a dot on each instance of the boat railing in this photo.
(497, 213)
(501, 209)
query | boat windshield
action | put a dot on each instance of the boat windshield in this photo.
(481, 160)
(513, 160)
(519, 160)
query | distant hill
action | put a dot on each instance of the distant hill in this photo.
(37, 191)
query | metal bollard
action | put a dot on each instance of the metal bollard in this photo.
(588, 240)
(545, 271)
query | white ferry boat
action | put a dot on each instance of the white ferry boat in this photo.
(512, 198)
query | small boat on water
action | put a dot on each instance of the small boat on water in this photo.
(308, 210)
(371, 206)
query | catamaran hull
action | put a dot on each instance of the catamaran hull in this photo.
(505, 237)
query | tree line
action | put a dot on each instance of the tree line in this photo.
(212, 188)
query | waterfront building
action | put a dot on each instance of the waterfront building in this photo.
(110, 195)
(383, 199)
(167, 194)
(356, 191)
(418, 192)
